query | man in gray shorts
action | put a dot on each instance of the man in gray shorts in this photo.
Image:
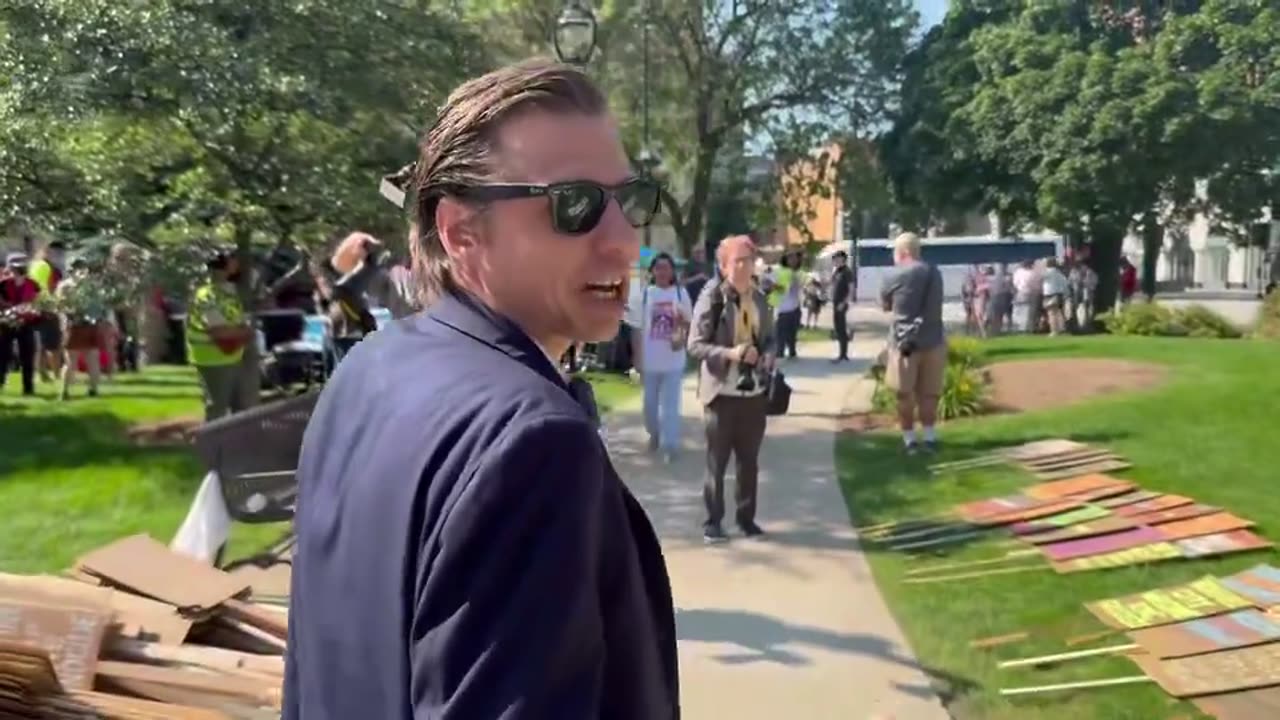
(914, 295)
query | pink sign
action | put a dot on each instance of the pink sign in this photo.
(1101, 544)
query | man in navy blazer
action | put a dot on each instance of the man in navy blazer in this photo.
(466, 550)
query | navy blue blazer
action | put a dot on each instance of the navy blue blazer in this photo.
(465, 548)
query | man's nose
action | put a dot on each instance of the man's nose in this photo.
(617, 238)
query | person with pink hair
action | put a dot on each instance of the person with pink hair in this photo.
(733, 335)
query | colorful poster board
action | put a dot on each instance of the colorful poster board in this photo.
(1164, 502)
(1155, 552)
(1129, 498)
(1242, 628)
(1101, 544)
(1082, 530)
(1219, 672)
(1204, 525)
(1245, 705)
(1221, 544)
(1061, 520)
(1043, 448)
(1031, 513)
(1162, 606)
(1260, 584)
(995, 506)
(1185, 512)
(1098, 467)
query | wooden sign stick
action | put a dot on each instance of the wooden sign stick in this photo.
(940, 540)
(923, 533)
(1091, 637)
(1132, 680)
(1064, 657)
(969, 575)
(1016, 554)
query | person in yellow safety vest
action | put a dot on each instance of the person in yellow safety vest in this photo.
(217, 332)
(47, 272)
(786, 298)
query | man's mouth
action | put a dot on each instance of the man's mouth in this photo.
(607, 289)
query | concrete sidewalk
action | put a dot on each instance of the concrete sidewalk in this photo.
(791, 625)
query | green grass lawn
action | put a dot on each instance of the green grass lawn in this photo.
(70, 479)
(1209, 432)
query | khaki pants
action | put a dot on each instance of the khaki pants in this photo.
(917, 377)
(220, 384)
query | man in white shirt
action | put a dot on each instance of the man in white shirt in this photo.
(659, 321)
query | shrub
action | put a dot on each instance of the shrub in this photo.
(1156, 320)
(966, 352)
(1269, 316)
(1143, 319)
(964, 385)
(1200, 321)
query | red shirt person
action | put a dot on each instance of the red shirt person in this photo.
(18, 320)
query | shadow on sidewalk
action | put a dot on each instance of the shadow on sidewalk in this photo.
(762, 638)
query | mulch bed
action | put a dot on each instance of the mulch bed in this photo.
(168, 432)
(1030, 385)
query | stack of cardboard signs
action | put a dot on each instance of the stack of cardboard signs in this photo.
(1047, 459)
(138, 632)
(1088, 522)
(1215, 641)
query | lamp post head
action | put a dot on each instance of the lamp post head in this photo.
(575, 34)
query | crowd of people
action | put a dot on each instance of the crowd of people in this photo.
(1049, 295)
(60, 316)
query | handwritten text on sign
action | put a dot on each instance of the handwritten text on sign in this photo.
(1198, 599)
(71, 637)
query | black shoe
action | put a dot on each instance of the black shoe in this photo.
(931, 446)
(713, 534)
(750, 529)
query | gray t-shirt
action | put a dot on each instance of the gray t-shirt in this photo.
(915, 290)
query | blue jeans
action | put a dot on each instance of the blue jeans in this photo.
(662, 407)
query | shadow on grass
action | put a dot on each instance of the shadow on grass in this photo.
(762, 638)
(32, 441)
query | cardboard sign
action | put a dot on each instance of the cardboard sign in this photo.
(1221, 544)
(1101, 466)
(1043, 448)
(1245, 705)
(1242, 669)
(1164, 502)
(1155, 552)
(133, 615)
(1074, 460)
(1260, 584)
(1204, 525)
(1129, 498)
(1082, 530)
(1031, 513)
(1202, 598)
(1101, 544)
(1242, 628)
(142, 564)
(71, 637)
(1185, 512)
(1061, 520)
(996, 506)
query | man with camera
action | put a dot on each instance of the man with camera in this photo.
(917, 356)
(733, 336)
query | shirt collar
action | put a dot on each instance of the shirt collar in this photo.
(465, 313)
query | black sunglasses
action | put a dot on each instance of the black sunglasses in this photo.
(577, 205)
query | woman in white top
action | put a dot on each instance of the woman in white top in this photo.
(659, 323)
(1054, 291)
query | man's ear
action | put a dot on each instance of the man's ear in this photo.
(455, 223)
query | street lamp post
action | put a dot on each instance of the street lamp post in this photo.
(574, 38)
(646, 158)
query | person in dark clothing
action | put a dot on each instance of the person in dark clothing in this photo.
(18, 321)
(841, 297)
(465, 548)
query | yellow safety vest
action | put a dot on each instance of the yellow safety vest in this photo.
(41, 272)
(782, 278)
(210, 299)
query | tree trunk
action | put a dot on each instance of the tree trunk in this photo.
(1152, 242)
(249, 390)
(1107, 242)
(695, 215)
